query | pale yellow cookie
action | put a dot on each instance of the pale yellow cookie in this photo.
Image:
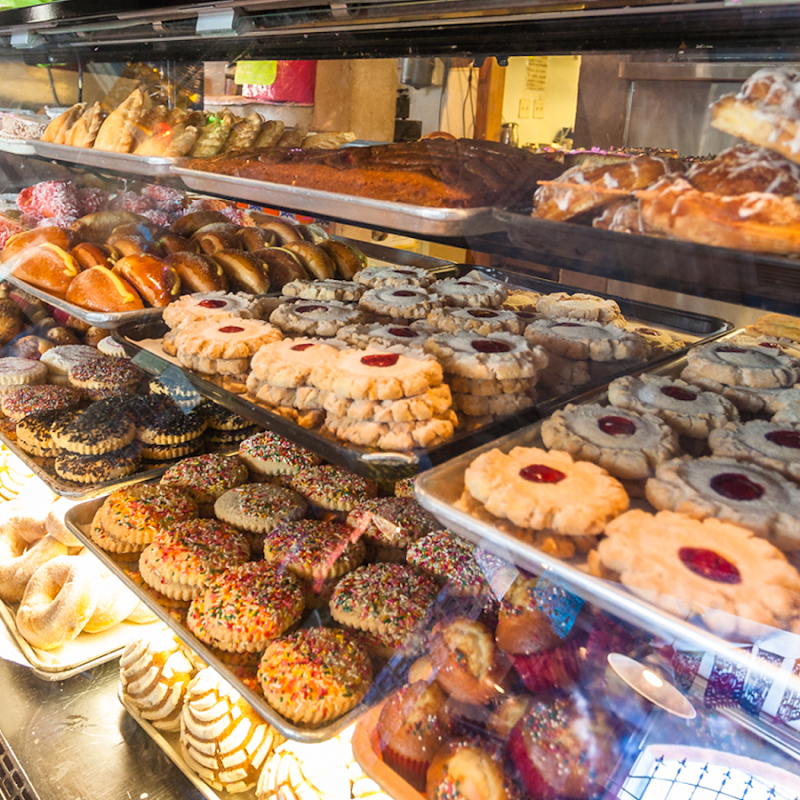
(394, 435)
(595, 341)
(435, 402)
(578, 306)
(733, 364)
(289, 363)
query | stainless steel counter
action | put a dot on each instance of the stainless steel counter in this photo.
(74, 741)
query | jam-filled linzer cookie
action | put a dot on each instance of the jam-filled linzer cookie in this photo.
(375, 333)
(578, 306)
(394, 276)
(399, 302)
(582, 340)
(773, 445)
(540, 489)
(471, 291)
(627, 444)
(745, 494)
(315, 317)
(482, 321)
(681, 405)
(688, 567)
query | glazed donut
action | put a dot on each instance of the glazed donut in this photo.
(58, 602)
(114, 602)
(156, 281)
(18, 564)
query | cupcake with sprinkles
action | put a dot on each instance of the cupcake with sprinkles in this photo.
(244, 608)
(206, 478)
(267, 454)
(315, 675)
(469, 769)
(332, 488)
(412, 727)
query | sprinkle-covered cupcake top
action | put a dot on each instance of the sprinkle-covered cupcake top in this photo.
(212, 473)
(268, 446)
(205, 545)
(330, 486)
(392, 521)
(314, 664)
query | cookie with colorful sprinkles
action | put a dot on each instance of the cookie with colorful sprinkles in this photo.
(333, 488)
(206, 478)
(105, 376)
(315, 675)
(267, 453)
(245, 607)
(25, 400)
(112, 545)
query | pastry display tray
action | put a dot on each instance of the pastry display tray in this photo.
(149, 166)
(365, 211)
(87, 650)
(142, 342)
(717, 273)
(18, 147)
(100, 319)
(169, 743)
(439, 489)
(78, 519)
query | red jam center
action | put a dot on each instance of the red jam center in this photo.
(731, 349)
(405, 332)
(736, 486)
(710, 565)
(647, 331)
(482, 313)
(784, 438)
(306, 309)
(212, 303)
(382, 360)
(541, 473)
(676, 393)
(616, 426)
(770, 345)
(231, 329)
(301, 347)
(486, 346)
(404, 293)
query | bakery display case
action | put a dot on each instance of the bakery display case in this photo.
(478, 595)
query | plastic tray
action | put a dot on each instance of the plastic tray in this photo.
(383, 214)
(149, 166)
(78, 520)
(86, 651)
(142, 343)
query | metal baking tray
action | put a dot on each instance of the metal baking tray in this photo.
(718, 273)
(149, 166)
(100, 319)
(86, 651)
(79, 518)
(365, 211)
(18, 147)
(392, 466)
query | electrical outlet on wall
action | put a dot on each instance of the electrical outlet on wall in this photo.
(525, 105)
(538, 108)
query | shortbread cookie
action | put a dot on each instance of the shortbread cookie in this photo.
(206, 306)
(267, 453)
(561, 372)
(98, 468)
(690, 412)
(488, 388)
(315, 318)
(659, 342)
(59, 360)
(481, 405)
(521, 300)
(345, 291)
(105, 376)
(482, 321)
(375, 333)
(500, 356)
(435, 402)
(738, 365)
(561, 305)
(206, 477)
(538, 489)
(471, 291)
(627, 444)
(16, 372)
(595, 341)
(101, 428)
(223, 346)
(332, 487)
(744, 494)
(394, 276)
(21, 401)
(289, 363)
(394, 435)
(404, 302)
(33, 432)
(375, 374)
(689, 568)
(770, 444)
(259, 507)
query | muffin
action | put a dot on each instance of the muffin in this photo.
(469, 769)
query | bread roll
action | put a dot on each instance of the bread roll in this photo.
(198, 273)
(47, 267)
(156, 281)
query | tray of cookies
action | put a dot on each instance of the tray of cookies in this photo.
(417, 369)
(669, 499)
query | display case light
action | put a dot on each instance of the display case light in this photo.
(652, 686)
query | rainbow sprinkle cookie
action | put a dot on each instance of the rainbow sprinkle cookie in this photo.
(333, 488)
(315, 675)
(259, 507)
(386, 602)
(242, 609)
(24, 400)
(206, 478)
(393, 522)
(452, 560)
(269, 454)
(105, 376)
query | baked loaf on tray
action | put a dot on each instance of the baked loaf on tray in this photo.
(466, 173)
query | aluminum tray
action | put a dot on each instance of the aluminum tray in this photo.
(149, 166)
(101, 319)
(79, 518)
(86, 651)
(383, 214)
(141, 341)
(19, 147)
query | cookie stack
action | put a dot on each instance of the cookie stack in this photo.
(392, 399)
(280, 378)
(225, 429)
(489, 375)
(164, 430)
